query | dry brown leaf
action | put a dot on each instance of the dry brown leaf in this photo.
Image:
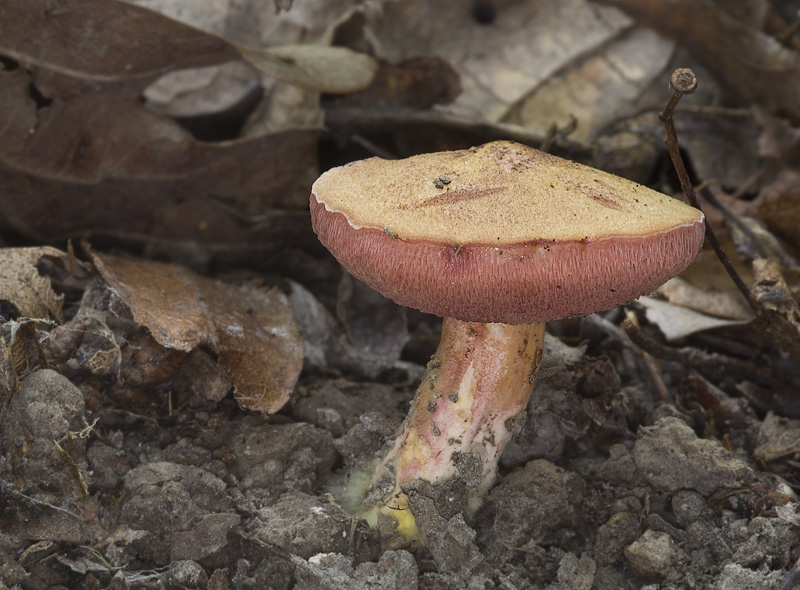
(80, 152)
(500, 63)
(202, 91)
(23, 291)
(752, 65)
(779, 206)
(677, 322)
(316, 68)
(201, 208)
(252, 330)
(247, 24)
(164, 298)
(419, 82)
(777, 438)
(721, 143)
(86, 131)
(600, 88)
(26, 297)
(708, 299)
(259, 346)
(254, 23)
(92, 40)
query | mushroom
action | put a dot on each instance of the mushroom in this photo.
(514, 238)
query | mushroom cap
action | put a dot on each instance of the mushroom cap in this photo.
(501, 233)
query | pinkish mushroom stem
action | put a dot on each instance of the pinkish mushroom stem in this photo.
(480, 379)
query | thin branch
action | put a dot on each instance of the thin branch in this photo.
(716, 365)
(684, 81)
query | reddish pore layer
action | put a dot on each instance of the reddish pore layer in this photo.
(514, 283)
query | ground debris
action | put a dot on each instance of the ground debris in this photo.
(672, 457)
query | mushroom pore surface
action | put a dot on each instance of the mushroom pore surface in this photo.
(515, 236)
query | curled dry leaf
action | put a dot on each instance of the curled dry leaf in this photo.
(25, 295)
(202, 91)
(676, 321)
(708, 299)
(777, 438)
(335, 70)
(23, 291)
(164, 298)
(252, 330)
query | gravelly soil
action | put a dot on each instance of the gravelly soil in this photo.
(607, 487)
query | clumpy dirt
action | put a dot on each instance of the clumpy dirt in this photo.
(608, 486)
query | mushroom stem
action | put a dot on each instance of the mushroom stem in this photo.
(480, 379)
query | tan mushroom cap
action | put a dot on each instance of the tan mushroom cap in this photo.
(502, 233)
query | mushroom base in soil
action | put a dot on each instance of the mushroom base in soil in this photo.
(497, 240)
(479, 380)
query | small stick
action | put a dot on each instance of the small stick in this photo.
(653, 371)
(717, 365)
(684, 81)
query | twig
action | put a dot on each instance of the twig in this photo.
(653, 371)
(554, 133)
(749, 183)
(733, 220)
(718, 365)
(683, 81)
